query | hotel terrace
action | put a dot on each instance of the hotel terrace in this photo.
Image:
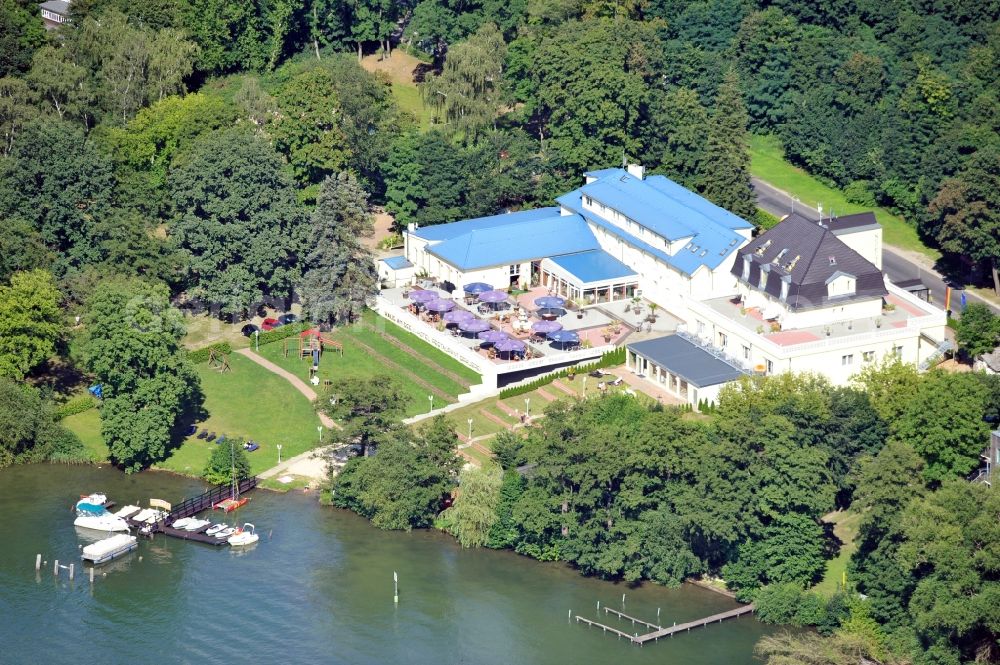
(683, 284)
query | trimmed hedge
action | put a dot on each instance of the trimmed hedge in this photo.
(76, 405)
(201, 355)
(283, 332)
(609, 359)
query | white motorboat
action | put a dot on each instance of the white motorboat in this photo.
(196, 524)
(91, 514)
(109, 548)
(224, 533)
(216, 528)
(247, 535)
(182, 522)
(149, 515)
(127, 511)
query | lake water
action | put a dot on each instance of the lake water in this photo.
(317, 588)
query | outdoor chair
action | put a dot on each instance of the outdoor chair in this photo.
(202, 434)
(617, 382)
(210, 437)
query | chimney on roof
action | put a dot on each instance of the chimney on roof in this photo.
(637, 170)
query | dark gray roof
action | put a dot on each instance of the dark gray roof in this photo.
(853, 222)
(57, 6)
(808, 256)
(687, 360)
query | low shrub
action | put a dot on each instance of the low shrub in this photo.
(75, 405)
(283, 332)
(201, 355)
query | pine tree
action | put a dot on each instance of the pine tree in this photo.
(727, 178)
(341, 277)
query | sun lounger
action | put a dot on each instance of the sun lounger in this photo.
(202, 434)
(210, 437)
(191, 430)
(617, 382)
(250, 446)
(222, 437)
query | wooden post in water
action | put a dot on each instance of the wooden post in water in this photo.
(71, 571)
(55, 567)
(395, 588)
(91, 574)
(38, 562)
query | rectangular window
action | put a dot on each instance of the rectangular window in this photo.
(701, 327)
(588, 201)
(723, 340)
(746, 353)
(763, 280)
(515, 270)
(897, 351)
(868, 356)
(770, 366)
(847, 360)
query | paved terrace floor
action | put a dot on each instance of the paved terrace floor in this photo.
(751, 320)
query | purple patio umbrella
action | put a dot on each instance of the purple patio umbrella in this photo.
(423, 295)
(440, 305)
(550, 301)
(458, 315)
(476, 288)
(546, 327)
(509, 346)
(473, 326)
(493, 336)
(493, 296)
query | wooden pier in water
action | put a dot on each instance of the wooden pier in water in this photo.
(193, 506)
(659, 631)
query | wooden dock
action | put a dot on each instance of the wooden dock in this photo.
(617, 632)
(634, 620)
(193, 506)
(697, 623)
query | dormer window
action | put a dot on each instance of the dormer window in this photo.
(780, 255)
(833, 260)
(746, 267)
(763, 248)
(762, 284)
(784, 289)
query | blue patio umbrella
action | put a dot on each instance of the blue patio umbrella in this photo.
(546, 312)
(550, 301)
(423, 295)
(476, 288)
(440, 305)
(546, 327)
(493, 336)
(564, 337)
(458, 315)
(473, 326)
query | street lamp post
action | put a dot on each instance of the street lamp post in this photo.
(279, 453)
(527, 412)
(430, 398)
(470, 428)
(319, 429)
(256, 340)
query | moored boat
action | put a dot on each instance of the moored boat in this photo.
(109, 548)
(91, 514)
(196, 524)
(247, 535)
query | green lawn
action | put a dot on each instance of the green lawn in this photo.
(357, 362)
(252, 403)
(87, 426)
(768, 163)
(409, 100)
(845, 528)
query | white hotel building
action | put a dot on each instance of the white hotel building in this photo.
(803, 296)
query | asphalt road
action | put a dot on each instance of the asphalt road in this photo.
(896, 266)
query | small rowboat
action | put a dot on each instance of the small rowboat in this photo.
(229, 505)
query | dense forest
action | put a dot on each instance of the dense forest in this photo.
(630, 491)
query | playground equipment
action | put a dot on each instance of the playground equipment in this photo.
(312, 344)
(218, 360)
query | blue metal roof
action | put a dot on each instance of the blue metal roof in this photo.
(593, 266)
(397, 262)
(505, 242)
(454, 229)
(710, 246)
(696, 202)
(687, 360)
(600, 173)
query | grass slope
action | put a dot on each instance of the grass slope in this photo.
(768, 163)
(87, 426)
(846, 529)
(252, 403)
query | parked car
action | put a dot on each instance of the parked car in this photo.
(249, 329)
(285, 319)
(270, 324)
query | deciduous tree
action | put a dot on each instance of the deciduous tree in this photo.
(30, 322)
